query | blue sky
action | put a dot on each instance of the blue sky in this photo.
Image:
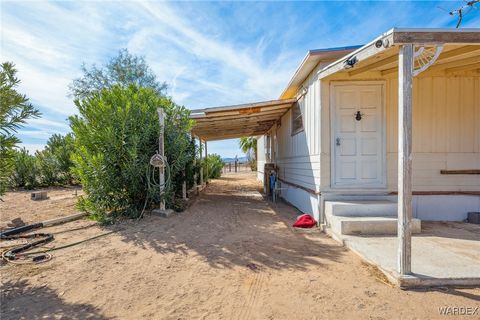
(209, 53)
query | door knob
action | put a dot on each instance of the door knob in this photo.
(337, 141)
(358, 116)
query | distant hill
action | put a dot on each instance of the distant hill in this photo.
(240, 159)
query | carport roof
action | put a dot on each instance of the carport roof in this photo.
(251, 119)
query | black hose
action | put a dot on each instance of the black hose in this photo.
(10, 254)
(14, 231)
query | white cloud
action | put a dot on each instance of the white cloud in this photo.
(43, 123)
(32, 147)
(206, 58)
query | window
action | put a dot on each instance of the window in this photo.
(267, 148)
(297, 120)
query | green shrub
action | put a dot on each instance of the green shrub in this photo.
(116, 133)
(214, 164)
(55, 162)
(25, 172)
(47, 168)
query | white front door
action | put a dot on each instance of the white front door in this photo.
(358, 136)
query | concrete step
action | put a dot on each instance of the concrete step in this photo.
(369, 225)
(361, 208)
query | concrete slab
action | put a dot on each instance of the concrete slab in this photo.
(163, 213)
(371, 225)
(445, 253)
(364, 208)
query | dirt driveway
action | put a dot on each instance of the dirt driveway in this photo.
(231, 255)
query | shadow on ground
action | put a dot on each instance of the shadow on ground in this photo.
(232, 225)
(451, 230)
(450, 291)
(21, 301)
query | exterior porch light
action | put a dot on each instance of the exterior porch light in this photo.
(350, 62)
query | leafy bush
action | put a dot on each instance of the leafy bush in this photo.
(25, 173)
(116, 133)
(55, 161)
(214, 164)
(49, 167)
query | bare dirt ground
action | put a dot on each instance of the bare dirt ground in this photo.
(231, 255)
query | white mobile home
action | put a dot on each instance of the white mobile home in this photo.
(375, 138)
(340, 138)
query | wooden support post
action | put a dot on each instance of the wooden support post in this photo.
(184, 186)
(161, 148)
(195, 172)
(405, 78)
(201, 163)
(206, 163)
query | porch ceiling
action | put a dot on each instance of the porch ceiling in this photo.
(461, 53)
(236, 121)
(453, 59)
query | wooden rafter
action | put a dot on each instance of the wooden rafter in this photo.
(240, 120)
(375, 65)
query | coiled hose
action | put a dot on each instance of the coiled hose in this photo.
(157, 162)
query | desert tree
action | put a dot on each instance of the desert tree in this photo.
(248, 145)
(15, 109)
(123, 70)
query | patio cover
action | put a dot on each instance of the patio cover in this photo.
(251, 119)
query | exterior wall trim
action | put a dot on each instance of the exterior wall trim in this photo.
(316, 193)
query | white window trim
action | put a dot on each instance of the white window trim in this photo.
(302, 128)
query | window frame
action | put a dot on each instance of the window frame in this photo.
(300, 104)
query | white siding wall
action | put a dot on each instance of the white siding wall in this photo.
(298, 156)
(446, 135)
(446, 132)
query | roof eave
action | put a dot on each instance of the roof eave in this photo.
(313, 58)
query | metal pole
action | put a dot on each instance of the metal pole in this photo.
(405, 71)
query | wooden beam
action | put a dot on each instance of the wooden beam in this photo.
(244, 116)
(405, 79)
(244, 106)
(468, 171)
(386, 72)
(443, 60)
(233, 136)
(462, 68)
(230, 125)
(456, 53)
(436, 37)
(233, 131)
(456, 63)
(242, 111)
(377, 64)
